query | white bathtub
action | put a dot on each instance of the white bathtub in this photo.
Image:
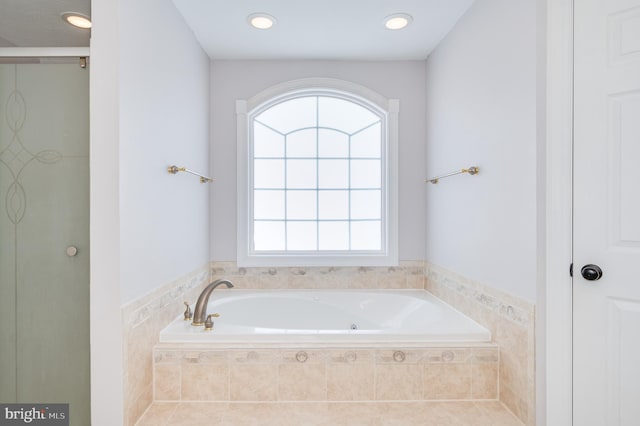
(338, 317)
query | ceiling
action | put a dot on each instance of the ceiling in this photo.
(326, 29)
(38, 23)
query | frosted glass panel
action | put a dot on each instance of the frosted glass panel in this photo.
(44, 208)
(320, 158)
(332, 143)
(291, 115)
(333, 205)
(268, 204)
(301, 236)
(301, 205)
(268, 235)
(268, 174)
(334, 174)
(365, 174)
(367, 143)
(365, 204)
(267, 143)
(301, 174)
(302, 143)
(344, 115)
(366, 236)
(334, 235)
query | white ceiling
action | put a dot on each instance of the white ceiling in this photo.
(38, 23)
(305, 29)
(324, 29)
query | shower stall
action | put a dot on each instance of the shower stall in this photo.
(44, 233)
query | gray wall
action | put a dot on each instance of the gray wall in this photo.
(149, 109)
(481, 110)
(164, 113)
(233, 80)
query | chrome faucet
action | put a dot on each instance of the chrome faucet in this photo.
(200, 311)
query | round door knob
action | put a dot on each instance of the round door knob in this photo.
(591, 272)
(72, 251)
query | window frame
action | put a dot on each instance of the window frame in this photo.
(387, 109)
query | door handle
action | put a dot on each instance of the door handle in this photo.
(591, 272)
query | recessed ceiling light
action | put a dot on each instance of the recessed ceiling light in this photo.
(397, 21)
(261, 21)
(77, 19)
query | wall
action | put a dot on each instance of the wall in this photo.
(481, 110)
(149, 109)
(511, 322)
(163, 121)
(232, 80)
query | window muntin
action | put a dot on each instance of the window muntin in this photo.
(318, 176)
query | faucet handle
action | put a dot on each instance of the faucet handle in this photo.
(187, 312)
(208, 324)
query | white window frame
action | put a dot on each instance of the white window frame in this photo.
(246, 109)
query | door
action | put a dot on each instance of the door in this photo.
(606, 321)
(44, 236)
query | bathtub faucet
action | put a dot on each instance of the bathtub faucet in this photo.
(200, 312)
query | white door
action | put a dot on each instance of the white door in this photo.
(606, 319)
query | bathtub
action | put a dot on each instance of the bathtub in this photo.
(328, 317)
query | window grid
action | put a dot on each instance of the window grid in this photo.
(349, 188)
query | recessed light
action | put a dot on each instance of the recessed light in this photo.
(397, 21)
(261, 21)
(77, 19)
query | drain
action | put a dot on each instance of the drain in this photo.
(354, 326)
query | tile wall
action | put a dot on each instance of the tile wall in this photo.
(511, 322)
(142, 321)
(506, 373)
(408, 275)
(284, 375)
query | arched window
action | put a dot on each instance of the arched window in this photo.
(316, 179)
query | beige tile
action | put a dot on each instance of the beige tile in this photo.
(158, 414)
(484, 381)
(352, 414)
(413, 413)
(350, 381)
(198, 413)
(514, 403)
(399, 381)
(167, 382)
(253, 382)
(302, 382)
(336, 414)
(447, 381)
(255, 414)
(499, 414)
(468, 413)
(513, 374)
(139, 360)
(276, 414)
(134, 408)
(205, 382)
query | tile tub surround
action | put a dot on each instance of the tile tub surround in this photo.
(437, 413)
(196, 372)
(408, 275)
(142, 321)
(511, 322)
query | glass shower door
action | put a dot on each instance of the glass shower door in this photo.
(44, 236)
